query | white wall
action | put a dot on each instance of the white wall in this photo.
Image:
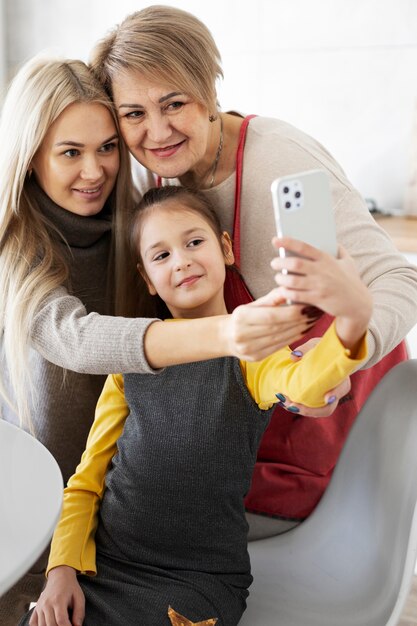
(3, 63)
(343, 70)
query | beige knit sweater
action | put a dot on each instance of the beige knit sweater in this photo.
(274, 148)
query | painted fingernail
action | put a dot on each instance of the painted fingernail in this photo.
(311, 311)
(293, 409)
(297, 353)
(280, 397)
(331, 400)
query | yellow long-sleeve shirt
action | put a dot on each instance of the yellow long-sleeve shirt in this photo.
(305, 381)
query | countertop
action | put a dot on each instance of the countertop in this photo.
(402, 230)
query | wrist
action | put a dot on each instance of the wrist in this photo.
(351, 332)
(62, 570)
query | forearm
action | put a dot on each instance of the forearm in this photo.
(395, 314)
(307, 380)
(189, 340)
(66, 335)
(391, 279)
(73, 541)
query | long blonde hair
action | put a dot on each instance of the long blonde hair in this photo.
(164, 44)
(31, 267)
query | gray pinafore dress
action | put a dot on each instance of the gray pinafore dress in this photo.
(172, 528)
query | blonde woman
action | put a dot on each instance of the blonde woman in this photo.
(63, 173)
(160, 66)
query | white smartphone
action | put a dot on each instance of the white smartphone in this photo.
(303, 210)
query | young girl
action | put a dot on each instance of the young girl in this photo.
(155, 508)
(63, 173)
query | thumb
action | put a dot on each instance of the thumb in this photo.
(334, 395)
(342, 253)
(273, 298)
(303, 348)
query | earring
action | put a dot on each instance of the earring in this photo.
(213, 118)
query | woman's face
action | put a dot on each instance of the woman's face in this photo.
(78, 161)
(165, 130)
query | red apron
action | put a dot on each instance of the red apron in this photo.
(297, 454)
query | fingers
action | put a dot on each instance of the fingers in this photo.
(78, 611)
(261, 313)
(331, 399)
(49, 616)
(273, 298)
(339, 392)
(306, 411)
(258, 329)
(303, 348)
(297, 247)
(261, 345)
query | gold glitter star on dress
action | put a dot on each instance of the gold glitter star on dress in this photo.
(180, 620)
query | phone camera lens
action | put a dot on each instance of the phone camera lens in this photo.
(298, 194)
(288, 205)
(286, 189)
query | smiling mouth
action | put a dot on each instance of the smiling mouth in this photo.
(90, 191)
(190, 280)
(173, 146)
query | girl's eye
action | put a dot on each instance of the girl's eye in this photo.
(109, 147)
(195, 242)
(160, 256)
(72, 152)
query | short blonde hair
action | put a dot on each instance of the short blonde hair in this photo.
(164, 44)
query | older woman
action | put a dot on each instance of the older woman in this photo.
(160, 67)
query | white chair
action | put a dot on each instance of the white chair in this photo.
(31, 491)
(351, 562)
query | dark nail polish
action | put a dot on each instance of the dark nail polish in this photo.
(280, 397)
(311, 311)
(297, 353)
(331, 399)
(293, 409)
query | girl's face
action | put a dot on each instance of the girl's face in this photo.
(183, 260)
(78, 161)
(165, 130)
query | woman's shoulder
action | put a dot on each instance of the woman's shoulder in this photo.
(273, 133)
(283, 149)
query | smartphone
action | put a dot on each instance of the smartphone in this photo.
(303, 210)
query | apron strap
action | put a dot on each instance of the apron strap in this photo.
(238, 189)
